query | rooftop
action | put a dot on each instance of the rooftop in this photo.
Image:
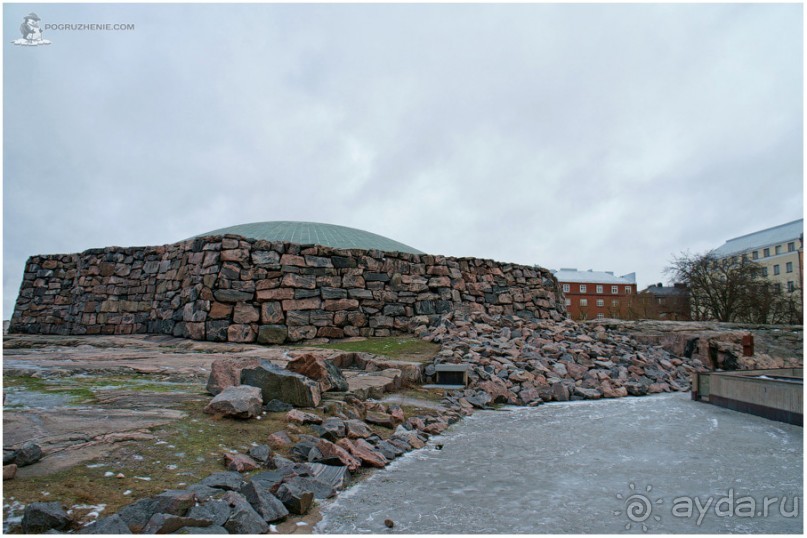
(314, 233)
(566, 274)
(666, 291)
(763, 238)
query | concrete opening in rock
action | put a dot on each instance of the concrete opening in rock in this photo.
(452, 374)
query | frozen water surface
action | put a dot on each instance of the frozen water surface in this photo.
(585, 467)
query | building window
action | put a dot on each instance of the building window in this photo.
(615, 303)
(776, 269)
(599, 288)
(614, 289)
(567, 288)
(568, 302)
(583, 302)
(766, 252)
(627, 290)
(764, 271)
(777, 287)
(791, 286)
(582, 288)
(778, 249)
(600, 315)
(791, 247)
(600, 302)
(755, 255)
(789, 267)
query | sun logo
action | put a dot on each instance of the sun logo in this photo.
(638, 507)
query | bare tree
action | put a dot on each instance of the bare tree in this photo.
(733, 289)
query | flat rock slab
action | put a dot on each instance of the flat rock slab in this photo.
(69, 436)
(146, 354)
(365, 385)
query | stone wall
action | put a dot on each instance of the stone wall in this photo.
(241, 290)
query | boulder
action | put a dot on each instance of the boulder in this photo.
(332, 475)
(356, 429)
(301, 417)
(261, 454)
(271, 480)
(216, 511)
(240, 401)
(576, 371)
(175, 502)
(168, 523)
(480, 400)
(229, 480)
(296, 498)
(227, 372)
(589, 394)
(9, 471)
(108, 525)
(41, 517)
(332, 454)
(560, 393)
(436, 427)
(203, 493)
(29, 453)
(306, 451)
(380, 419)
(331, 429)
(212, 529)
(328, 376)
(239, 462)
(276, 406)
(283, 385)
(279, 440)
(528, 396)
(321, 490)
(410, 438)
(497, 389)
(389, 450)
(243, 518)
(364, 451)
(609, 391)
(265, 504)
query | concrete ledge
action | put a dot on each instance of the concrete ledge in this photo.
(771, 413)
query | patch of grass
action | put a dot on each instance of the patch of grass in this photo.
(432, 395)
(182, 453)
(405, 348)
(78, 394)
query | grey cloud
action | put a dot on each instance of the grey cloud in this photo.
(592, 136)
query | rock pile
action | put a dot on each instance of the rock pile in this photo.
(526, 362)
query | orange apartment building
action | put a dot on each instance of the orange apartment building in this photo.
(597, 294)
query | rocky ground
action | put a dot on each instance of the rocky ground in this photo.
(127, 425)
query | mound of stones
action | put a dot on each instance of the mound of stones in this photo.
(522, 362)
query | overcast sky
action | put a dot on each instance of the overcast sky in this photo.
(606, 137)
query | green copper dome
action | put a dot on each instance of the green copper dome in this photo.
(314, 233)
